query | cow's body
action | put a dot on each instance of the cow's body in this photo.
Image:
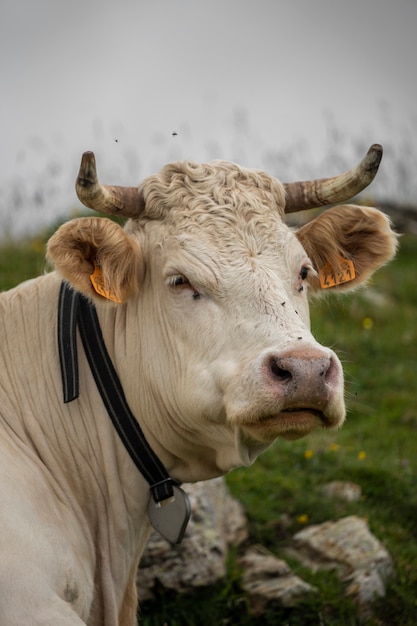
(72, 513)
(213, 348)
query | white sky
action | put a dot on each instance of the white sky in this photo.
(236, 79)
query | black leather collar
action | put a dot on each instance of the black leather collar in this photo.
(75, 310)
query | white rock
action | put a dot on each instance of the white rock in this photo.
(267, 579)
(344, 490)
(349, 547)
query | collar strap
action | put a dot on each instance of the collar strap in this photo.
(74, 309)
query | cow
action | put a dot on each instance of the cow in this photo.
(201, 300)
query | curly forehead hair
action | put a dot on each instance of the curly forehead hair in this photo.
(186, 186)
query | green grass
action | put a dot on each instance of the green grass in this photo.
(375, 333)
(20, 261)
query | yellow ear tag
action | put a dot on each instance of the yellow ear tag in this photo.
(330, 278)
(98, 283)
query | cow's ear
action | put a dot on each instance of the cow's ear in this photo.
(346, 244)
(97, 257)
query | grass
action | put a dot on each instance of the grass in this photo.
(20, 261)
(375, 333)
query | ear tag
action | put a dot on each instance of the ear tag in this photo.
(330, 278)
(170, 517)
(97, 281)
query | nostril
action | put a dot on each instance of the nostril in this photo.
(279, 372)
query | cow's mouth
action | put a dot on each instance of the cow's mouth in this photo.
(305, 410)
(290, 423)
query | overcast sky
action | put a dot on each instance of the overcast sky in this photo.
(235, 79)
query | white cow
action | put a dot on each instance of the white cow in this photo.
(202, 302)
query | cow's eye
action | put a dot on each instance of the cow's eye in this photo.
(302, 276)
(179, 281)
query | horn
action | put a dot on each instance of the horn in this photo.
(123, 201)
(323, 191)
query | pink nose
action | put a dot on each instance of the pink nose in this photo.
(304, 378)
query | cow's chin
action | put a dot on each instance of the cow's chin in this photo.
(289, 424)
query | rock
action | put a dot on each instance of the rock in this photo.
(349, 547)
(217, 522)
(268, 580)
(344, 490)
(365, 586)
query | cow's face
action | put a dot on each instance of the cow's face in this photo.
(216, 293)
(235, 313)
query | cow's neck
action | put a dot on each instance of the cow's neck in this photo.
(184, 452)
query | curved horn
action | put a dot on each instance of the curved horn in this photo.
(124, 201)
(314, 193)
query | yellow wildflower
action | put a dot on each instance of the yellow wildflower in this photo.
(367, 323)
(361, 455)
(308, 454)
(302, 519)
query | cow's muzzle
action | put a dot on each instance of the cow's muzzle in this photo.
(299, 391)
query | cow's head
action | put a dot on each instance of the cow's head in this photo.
(214, 290)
